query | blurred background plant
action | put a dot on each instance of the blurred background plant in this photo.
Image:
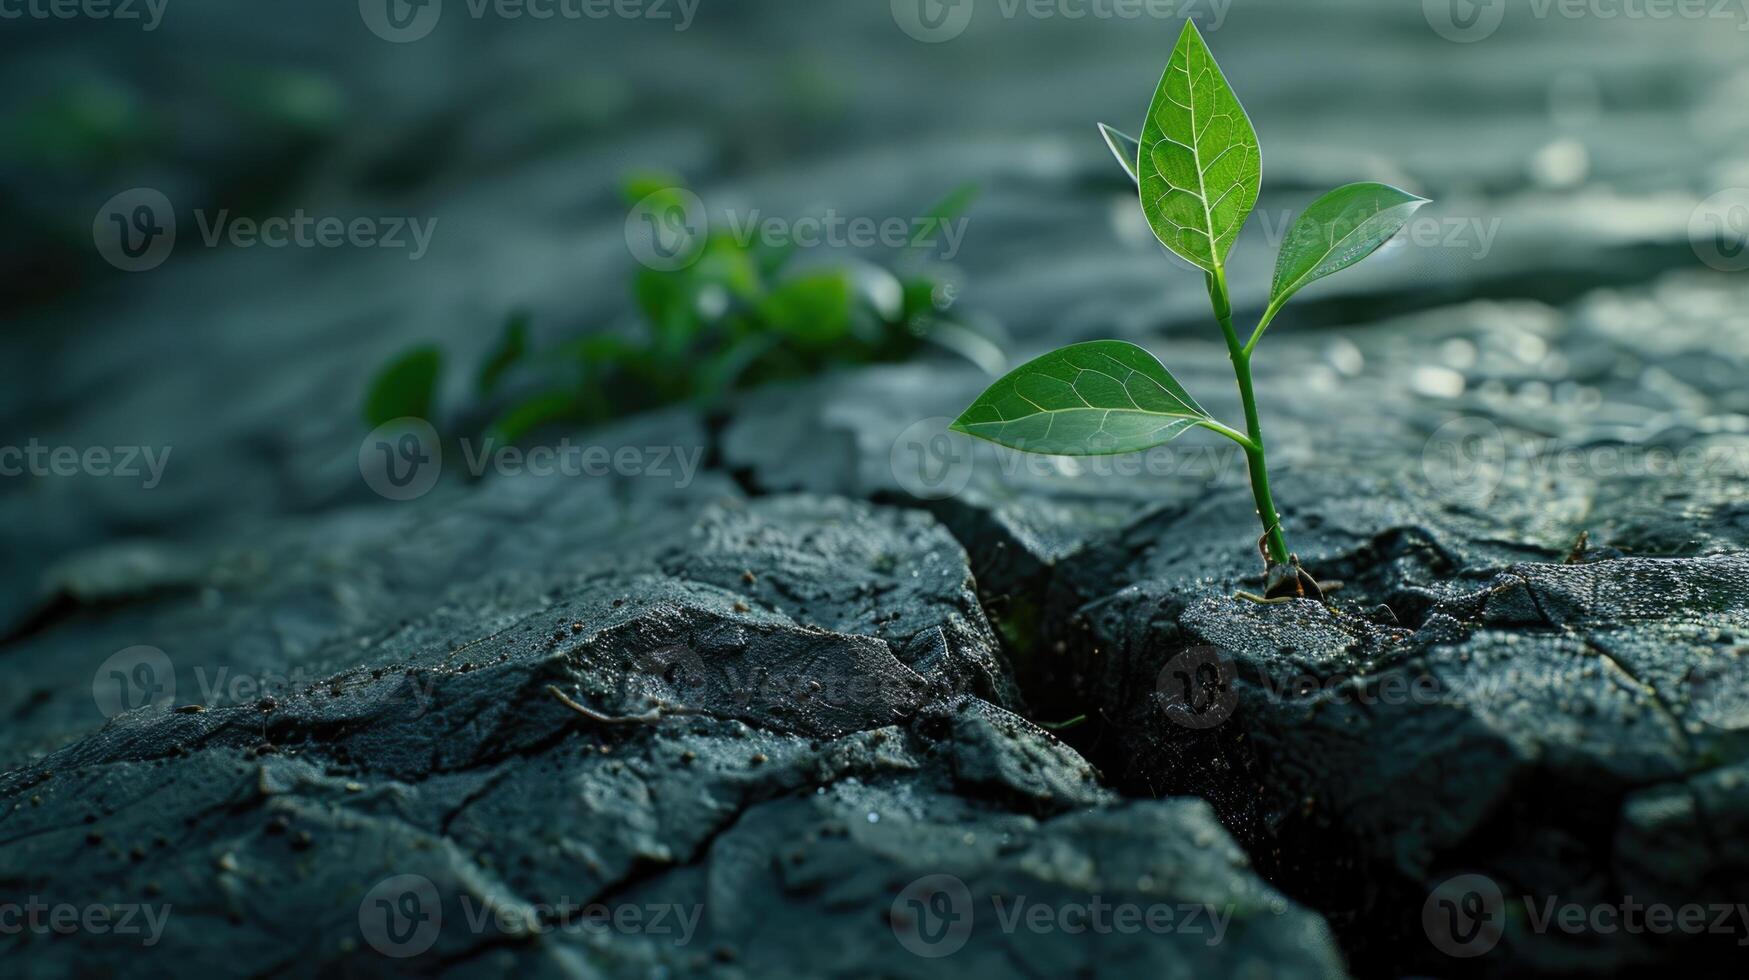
(743, 312)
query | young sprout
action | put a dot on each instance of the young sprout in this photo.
(1199, 170)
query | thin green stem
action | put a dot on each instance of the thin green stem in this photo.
(1243, 440)
(1262, 325)
(1275, 540)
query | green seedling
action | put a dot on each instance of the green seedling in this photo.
(1199, 170)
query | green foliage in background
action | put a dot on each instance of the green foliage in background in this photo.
(742, 314)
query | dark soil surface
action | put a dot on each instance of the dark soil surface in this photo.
(804, 706)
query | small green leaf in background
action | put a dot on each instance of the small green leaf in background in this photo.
(1338, 230)
(1095, 399)
(946, 211)
(406, 386)
(553, 406)
(512, 346)
(642, 184)
(813, 309)
(1126, 148)
(1201, 167)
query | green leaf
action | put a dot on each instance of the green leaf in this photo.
(511, 348)
(533, 413)
(813, 309)
(642, 184)
(1201, 168)
(946, 211)
(1126, 148)
(1096, 399)
(1338, 230)
(405, 387)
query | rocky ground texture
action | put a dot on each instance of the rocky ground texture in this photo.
(854, 697)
